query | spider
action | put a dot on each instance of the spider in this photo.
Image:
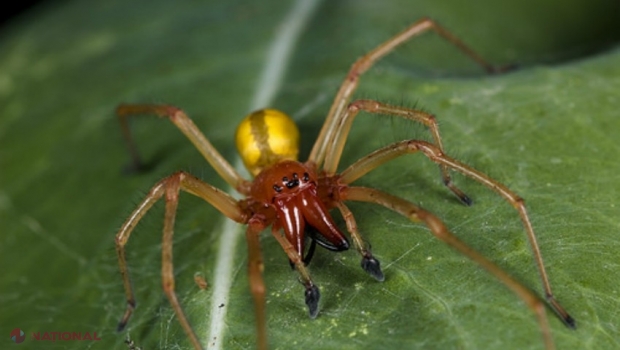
(295, 198)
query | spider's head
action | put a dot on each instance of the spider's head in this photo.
(266, 137)
(290, 189)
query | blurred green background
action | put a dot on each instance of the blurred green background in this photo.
(547, 130)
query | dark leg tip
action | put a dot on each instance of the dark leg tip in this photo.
(373, 267)
(466, 200)
(570, 322)
(457, 192)
(121, 326)
(312, 300)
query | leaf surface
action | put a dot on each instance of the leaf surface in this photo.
(547, 131)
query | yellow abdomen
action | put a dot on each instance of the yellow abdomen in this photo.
(266, 137)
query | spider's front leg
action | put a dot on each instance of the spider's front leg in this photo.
(328, 146)
(169, 189)
(330, 131)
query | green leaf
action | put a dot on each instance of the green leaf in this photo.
(547, 131)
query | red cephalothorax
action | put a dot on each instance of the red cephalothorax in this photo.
(290, 189)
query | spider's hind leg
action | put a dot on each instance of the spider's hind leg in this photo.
(178, 117)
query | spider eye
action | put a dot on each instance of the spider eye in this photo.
(266, 137)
